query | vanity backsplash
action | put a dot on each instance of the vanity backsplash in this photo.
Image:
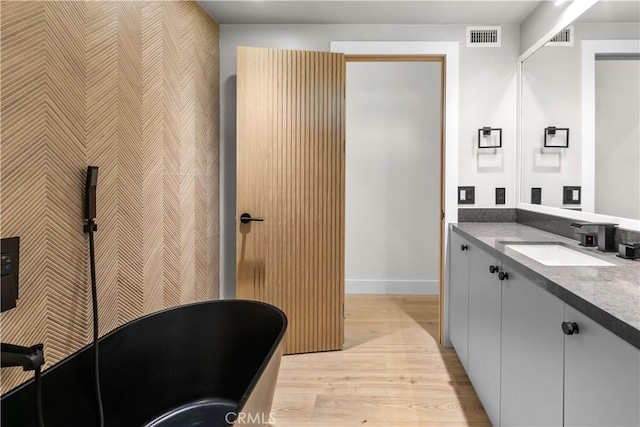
(551, 223)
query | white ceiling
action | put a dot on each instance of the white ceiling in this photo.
(612, 11)
(369, 12)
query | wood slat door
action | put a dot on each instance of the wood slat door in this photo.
(290, 172)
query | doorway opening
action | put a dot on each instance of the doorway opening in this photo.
(291, 178)
(395, 182)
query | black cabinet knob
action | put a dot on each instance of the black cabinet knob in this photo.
(493, 269)
(503, 276)
(464, 247)
(570, 328)
(245, 218)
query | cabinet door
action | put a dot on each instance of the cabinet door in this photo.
(601, 376)
(484, 332)
(459, 296)
(532, 354)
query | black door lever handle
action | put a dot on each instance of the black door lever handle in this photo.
(245, 218)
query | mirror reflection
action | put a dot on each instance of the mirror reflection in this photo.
(581, 115)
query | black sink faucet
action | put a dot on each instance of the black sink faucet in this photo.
(30, 358)
(606, 234)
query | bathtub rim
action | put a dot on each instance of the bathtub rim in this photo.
(250, 387)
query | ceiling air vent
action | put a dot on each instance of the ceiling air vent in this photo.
(483, 36)
(563, 38)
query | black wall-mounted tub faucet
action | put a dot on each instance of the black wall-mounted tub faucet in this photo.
(29, 358)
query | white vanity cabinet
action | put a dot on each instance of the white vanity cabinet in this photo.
(601, 376)
(484, 330)
(459, 296)
(531, 371)
(511, 336)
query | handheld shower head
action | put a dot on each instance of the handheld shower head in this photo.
(90, 193)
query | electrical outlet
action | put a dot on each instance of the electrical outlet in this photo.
(536, 196)
(501, 196)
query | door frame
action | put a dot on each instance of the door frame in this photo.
(590, 49)
(447, 53)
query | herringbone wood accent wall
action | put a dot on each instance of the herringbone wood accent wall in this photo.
(131, 87)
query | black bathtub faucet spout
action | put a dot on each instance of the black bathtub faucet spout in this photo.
(30, 358)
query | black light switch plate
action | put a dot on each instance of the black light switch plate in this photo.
(571, 195)
(466, 195)
(501, 196)
(536, 196)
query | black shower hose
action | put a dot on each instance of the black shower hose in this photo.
(94, 296)
(38, 384)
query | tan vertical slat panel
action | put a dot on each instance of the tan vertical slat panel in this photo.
(317, 322)
(290, 142)
(288, 276)
(301, 218)
(131, 87)
(305, 190)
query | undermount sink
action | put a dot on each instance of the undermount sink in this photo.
(556, 254)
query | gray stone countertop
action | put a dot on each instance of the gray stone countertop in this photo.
(610, 295)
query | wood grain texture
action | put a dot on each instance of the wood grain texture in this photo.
(392, 372)
(291, 172)
(131, 87)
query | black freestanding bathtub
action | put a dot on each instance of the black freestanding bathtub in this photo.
(207, 364)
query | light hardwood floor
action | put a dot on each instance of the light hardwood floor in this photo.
(391, 372)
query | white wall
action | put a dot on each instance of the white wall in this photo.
(393, 138)
(618, 138)
(551, 96)
(487, 98)
(548, 19)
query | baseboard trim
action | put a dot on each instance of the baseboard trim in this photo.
(391, 287)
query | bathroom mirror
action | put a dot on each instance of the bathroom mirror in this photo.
(580, 118)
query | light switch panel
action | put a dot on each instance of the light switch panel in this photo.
(571, 195)
(466, 195)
